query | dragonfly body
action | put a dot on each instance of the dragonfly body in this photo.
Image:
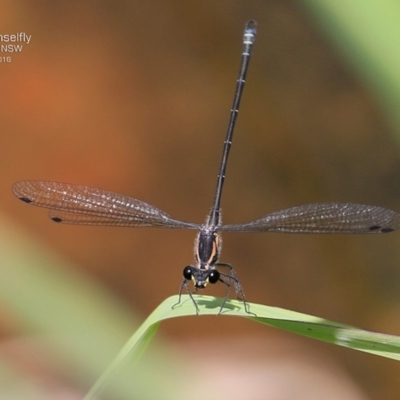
(208, 247)
(85, 205)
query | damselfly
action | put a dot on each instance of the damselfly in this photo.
(85, 205)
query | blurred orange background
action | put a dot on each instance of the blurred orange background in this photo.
(134, 97)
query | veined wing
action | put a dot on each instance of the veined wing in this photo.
(76, 204)
(324, 218)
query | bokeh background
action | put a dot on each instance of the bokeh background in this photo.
(134, 97)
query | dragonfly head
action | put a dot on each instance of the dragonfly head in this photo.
(200, 277)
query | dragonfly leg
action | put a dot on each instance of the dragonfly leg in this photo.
(184, 285)
(238, 287)
(232, 277)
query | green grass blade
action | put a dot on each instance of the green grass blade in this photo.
(70, 320)
(366, 33)
(313, 327)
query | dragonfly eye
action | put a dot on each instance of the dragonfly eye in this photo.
(213, 277)
(188, 272)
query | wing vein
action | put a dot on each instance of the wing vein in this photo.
(76, 204)
(324, 218)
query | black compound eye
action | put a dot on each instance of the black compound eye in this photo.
(213, 277)
(188, 272)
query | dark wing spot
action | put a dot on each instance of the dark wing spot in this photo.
(56, 219)
(25, 200)
(379, 228)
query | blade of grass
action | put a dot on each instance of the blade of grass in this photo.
(366, 33)
(79, 325)
(313, 327)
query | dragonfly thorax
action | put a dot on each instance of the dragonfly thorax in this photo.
(207, 248)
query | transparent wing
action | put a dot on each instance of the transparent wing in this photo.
(324, 218)
(75, 204)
